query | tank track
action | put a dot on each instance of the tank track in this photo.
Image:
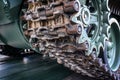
(114, 6)
(58, 37)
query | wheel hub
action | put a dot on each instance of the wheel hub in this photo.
(85, 15)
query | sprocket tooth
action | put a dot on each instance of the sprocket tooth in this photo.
(105, 5)
(105, 30)
(106, 17)
(102, 39)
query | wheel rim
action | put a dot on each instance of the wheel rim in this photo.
(88, 16)
(113, 53)
(91, 18)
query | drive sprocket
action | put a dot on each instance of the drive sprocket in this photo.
(72, 31)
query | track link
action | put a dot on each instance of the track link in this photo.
(50, 29)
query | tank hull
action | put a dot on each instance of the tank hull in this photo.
(10, 29)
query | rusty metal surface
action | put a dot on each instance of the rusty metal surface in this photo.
(52, 23)
(50, 29)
